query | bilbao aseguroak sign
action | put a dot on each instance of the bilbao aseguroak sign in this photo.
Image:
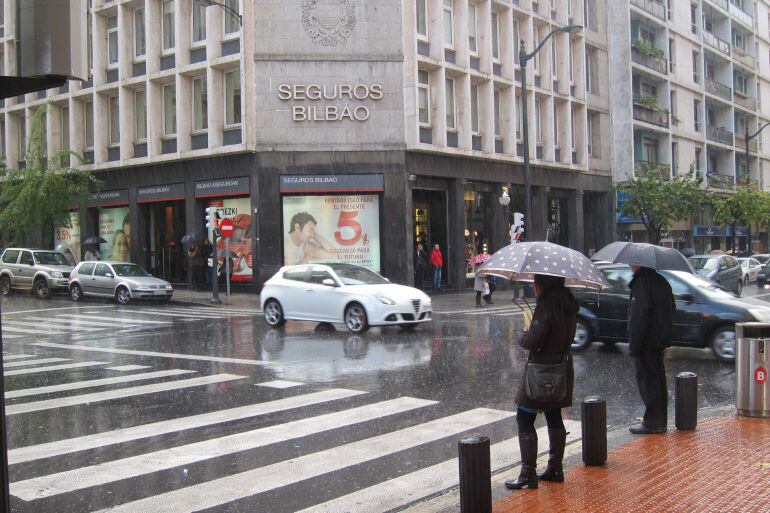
(315, 100)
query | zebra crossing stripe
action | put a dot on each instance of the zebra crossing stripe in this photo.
(7, 357)
(218, 309)
(398, 492)
(28, 331)
(50, 404)
(8, 336)
(118, 436)
(195, 315)
(83, 321)
(245, 484)
(51, 368)
(79, 385)
(50, 324)
(143, 464)
(115, 319)
(41, 361)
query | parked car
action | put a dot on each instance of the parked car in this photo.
(341, 293)
(723, 270)
(42, 272)
(120, 280)
(750, 268)
(763, 258)
(763, 278)
(705, 314)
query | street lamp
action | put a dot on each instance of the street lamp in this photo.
(229, 10)
(505, 200)
(523, 58)
(748, 138)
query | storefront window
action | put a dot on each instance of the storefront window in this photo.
(239, 246)
(115, 228)
(478, 224)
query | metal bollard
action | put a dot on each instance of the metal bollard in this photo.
(475, 474)
(686, 401)
(594, 430)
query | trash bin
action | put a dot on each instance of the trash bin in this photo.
(752, 348)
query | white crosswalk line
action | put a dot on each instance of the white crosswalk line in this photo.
(52, 368)
(126, 368)
(7, 357)
(280, 383)
(27, 331)
(41, 361)
(406, 489)
(225, 310)
(245, 484)
(125, 320)
(118, 436)
(79, 385)
(86, 322)
(8, 336)
(50, 404)
(78, 479)
(49, 325)
(180, 315)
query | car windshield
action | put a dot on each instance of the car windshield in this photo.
(703, 285)
(355, 275)
(704, 263)
(130, 270)
(744, 262)
(50, 258)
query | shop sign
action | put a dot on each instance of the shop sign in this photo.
(109, 198)
(240, 245)
(154, 193)
(707, 231)
(318, 95)
(332, 183)
(330, 229)
(115, 228)
(222, 187)
(622, 197)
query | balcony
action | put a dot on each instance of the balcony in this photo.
(745, 101)
(743, 57)
(643, 168)
(716, 42)
(740, 144)
(741, 15)
(718, 181)
(719, 89)
(719, 135)
(720, 3)
(746, 181)
(653, 62)
(643, 111)
(653, 7)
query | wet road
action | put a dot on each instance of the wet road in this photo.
(178, 408)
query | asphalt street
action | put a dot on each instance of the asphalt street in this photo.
(186, 408)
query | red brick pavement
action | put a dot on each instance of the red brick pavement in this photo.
(723, 466)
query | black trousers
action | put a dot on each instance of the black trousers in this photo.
(525, 420)
(651, 379)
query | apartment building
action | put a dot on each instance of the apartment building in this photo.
(382, 124)
(688, 79)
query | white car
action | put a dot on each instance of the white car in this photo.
(341, 293)
(750, 267)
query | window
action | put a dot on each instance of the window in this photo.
(89, 42)
(22, 137)
(448, 23)
(112, 41)
(475, 109)
(671, 55)
(2, 14)
(423, 97)
(169, 110)
(422, 19)
(495, 37)
(696, 114)
(496, 99)
(65, 129)
(594, 135)
(26, 258)
(200, 104)
(519, 118)
(232, 23)
(538, 124)
(591, 18)
(86, 269)
(672, 103)
(167, 28)
(450, 103)
(199, 20)
(114, 120)
(233, 98)
(592, 70)
(739, 83)
(693, 19)
(516, 41)
(102, 270)
(140, 115)
(571, 66)
(674, 158)
(695, 58)
(472, 28)
(11, 256)
(739, 40)
(296, 274)
(697, 161)
(554, 71)
(140, 39)
(88, 113)
(555, 126)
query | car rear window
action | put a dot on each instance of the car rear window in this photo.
(10, 256)
(86, 269)
(295, 274)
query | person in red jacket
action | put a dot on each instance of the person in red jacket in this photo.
(437, 262)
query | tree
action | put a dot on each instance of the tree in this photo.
(39, 196)
(747, 203)
(659, 202)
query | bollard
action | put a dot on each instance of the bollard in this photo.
(475, 474)
(686, 401)
(594, 430)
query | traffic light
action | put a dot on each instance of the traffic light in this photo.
(212, 218)
(518, 221)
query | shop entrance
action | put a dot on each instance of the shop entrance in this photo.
(165, 228)
(430, 223)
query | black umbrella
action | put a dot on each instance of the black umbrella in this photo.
(95, 240)
(191, 237)
(645, 255)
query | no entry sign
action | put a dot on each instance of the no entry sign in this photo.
(760, 375)
(226, 227)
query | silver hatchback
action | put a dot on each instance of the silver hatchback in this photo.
(120, 280)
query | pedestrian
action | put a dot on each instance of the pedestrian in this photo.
(437, 262)
(206, 251)
(491, 287)
(650, 331)
(548, 341)
(196, 263)
(481, 286)
(420, 266)
(92, 253)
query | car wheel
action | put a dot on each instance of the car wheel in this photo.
(41, 289)
(355, 318)
(76, 293)
(274, 314)
(583, 336)
(723, 344)
(5, 285)
(739, 288)
(122, 296)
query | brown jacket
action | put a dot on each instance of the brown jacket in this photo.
(548, 339)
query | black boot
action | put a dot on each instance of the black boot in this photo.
(555, 470)
(528, 476)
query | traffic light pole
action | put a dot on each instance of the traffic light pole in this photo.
(215, 272)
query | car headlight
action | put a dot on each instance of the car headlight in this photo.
(386, 300)
(56, 274)
(169, 287)
(760, 314)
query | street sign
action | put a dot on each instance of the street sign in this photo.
(760, 375)
(226, 227)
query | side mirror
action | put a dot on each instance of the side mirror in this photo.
(329, 282)
(687, 298)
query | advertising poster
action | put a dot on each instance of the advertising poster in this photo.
(66, 238)
(332, 229)
(115, 228)
(240, 244)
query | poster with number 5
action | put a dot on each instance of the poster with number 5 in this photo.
(343, 229)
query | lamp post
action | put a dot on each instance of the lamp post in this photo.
(748, 138)
(523, 58)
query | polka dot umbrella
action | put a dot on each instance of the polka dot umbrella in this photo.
(522, 261)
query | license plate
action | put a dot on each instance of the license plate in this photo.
(160, 292)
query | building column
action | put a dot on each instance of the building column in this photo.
(454, 253)
(536, 228)
(576, 223)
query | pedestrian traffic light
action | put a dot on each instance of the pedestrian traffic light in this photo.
(212, 218)
(518, 221)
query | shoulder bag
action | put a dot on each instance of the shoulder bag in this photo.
(545, 382)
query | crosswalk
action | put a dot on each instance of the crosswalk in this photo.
(254, 441)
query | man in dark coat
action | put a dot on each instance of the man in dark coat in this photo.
(420, 266)
(650, 331)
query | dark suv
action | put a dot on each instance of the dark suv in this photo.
(723, 270)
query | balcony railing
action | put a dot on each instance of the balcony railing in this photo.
(716, 42)
(741, 15)
(743, 57)
(643, 168)
(720, 3)
(649, 115)
(653, 7)
(740, 144)
(719, 135)
(746, 181)
(658, 64)
(718, 181)
(745, 101)
(719, 89)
